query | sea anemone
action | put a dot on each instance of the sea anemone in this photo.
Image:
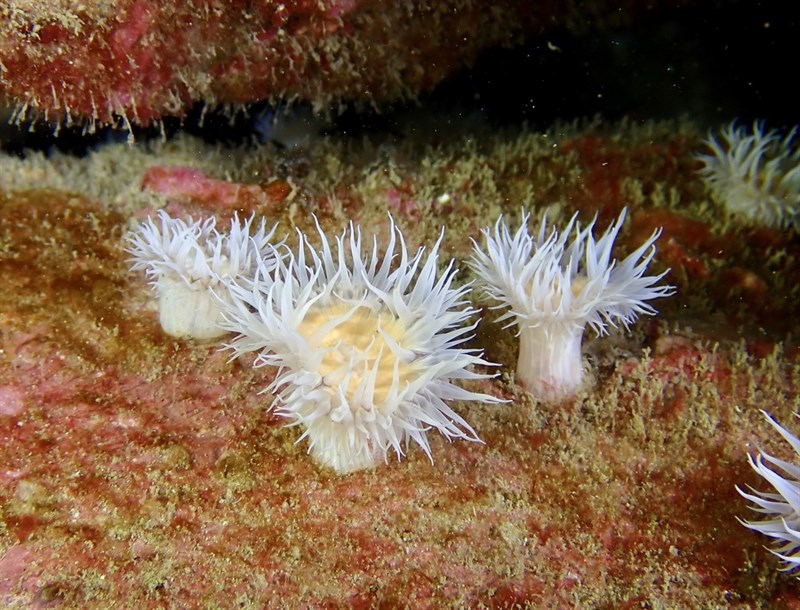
(783, 507)
(553, 290)
(754, 175)
(368, 347)
(187, 261)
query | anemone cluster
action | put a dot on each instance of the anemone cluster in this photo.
(368, 341)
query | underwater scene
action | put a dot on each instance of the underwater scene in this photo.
(403, 304)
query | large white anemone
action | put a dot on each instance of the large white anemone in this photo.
(368, 346)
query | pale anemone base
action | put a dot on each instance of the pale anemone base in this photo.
(189, 311)
(747, 200)
(333, 446)
(550, 365)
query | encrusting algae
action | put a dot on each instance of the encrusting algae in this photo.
(134, 461)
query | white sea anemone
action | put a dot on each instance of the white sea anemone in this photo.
(782, 507)
(368, 346)
(553, 290)
(754, 175)
(186, 261)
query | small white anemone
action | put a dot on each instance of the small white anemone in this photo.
(782, 507)
(186, 261)
(755, 174)
(368, 347)
(553, 290)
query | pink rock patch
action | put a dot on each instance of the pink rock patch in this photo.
(12, 401)
(191, 186)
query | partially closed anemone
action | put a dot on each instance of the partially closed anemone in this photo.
(189, 264)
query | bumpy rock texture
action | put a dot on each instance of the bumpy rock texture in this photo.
(136, 61)
(142, 471)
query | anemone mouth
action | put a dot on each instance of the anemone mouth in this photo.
(359, 353)
(562, 297)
